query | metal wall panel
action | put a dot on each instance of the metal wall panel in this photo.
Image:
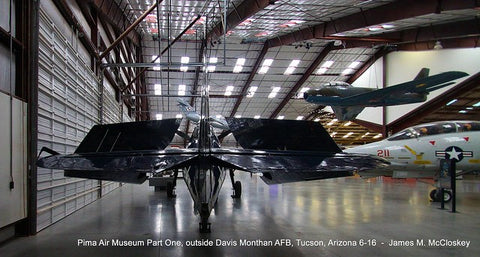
(68, 106)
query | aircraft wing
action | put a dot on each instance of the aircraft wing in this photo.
(288, 151)
(422, 85)
(292, 166)
(283, 151)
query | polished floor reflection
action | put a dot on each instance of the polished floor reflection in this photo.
(341, 211)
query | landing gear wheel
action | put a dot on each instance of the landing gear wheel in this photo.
(433, 195)
(170, 190)
(204, 214)
(436, 197)
(237, 189)
(447, 196)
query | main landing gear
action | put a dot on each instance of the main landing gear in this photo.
(237, 186)
(435, 195)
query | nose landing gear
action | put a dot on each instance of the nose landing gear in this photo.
(237, 186)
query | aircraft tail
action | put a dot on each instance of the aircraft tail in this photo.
(267, 134)
(346, 113)
(424, 72)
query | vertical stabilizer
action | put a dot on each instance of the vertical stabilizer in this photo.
(422, 74)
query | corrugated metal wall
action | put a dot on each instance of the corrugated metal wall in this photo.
(68, 99)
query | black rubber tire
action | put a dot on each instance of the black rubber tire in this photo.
(447, 196)
(433, 195)
(237, 188)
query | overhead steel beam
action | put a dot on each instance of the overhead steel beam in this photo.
(164, 50)
(420, 38)
(378, 15)
(240, 13)
(258, 61)
(128, 30)
(302, 79)
(415, 116)
(108, 10)
(471, 42)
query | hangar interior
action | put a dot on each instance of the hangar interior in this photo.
(257, 57)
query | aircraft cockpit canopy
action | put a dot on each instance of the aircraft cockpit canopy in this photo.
(336, 84)
(435, 129)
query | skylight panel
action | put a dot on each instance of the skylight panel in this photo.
(156, 61)
(158, 116)
(274, 92)
(239, 65)
(267, 62)
(281, 117)
(291, 67)
(354, 65)
(182, 89)
(348, 134)
(302, 91)
(265, 66)
(228, 91)
(251, 91)
(158, 89)
(184, 60)
(256, 117)
(325, 66)
(212, 61)
(347, 71)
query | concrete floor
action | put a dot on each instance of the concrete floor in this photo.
(347, 209)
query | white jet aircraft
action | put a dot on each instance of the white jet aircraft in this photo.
(194, 116)
(416, 152)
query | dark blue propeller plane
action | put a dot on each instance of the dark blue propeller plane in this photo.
(348, 101)
(281, 150)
